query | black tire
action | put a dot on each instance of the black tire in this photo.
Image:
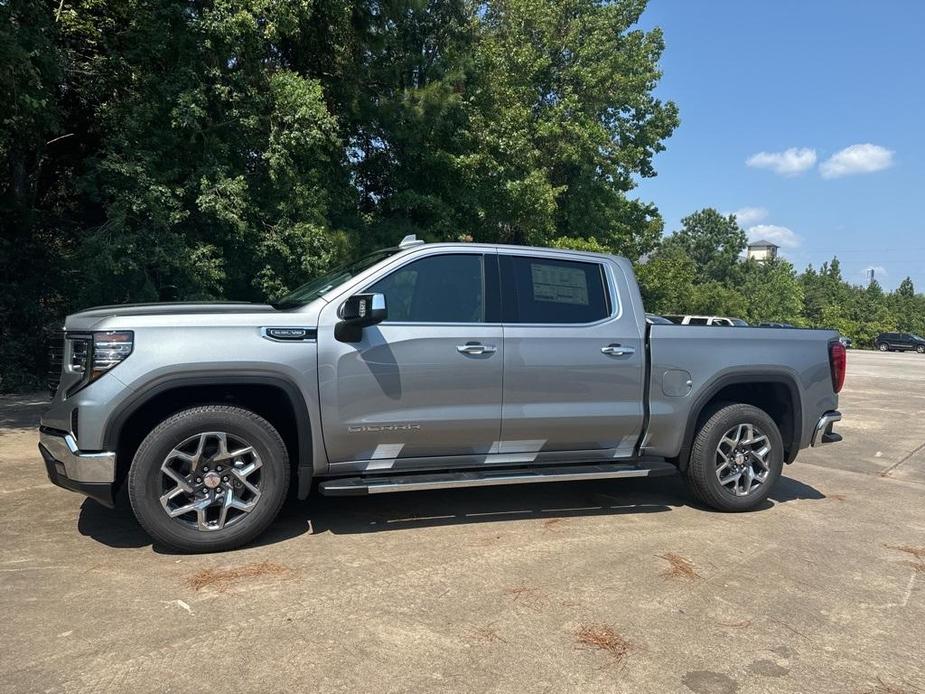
(920, 349)
(146, 480)
(701, 470)
(883, 347)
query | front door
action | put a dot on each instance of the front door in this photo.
(573, 359)
(427, 381)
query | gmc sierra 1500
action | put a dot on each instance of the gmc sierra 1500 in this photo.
(425, 366)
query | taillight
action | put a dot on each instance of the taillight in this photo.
(838, 363)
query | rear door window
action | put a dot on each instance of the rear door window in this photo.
(547, 290)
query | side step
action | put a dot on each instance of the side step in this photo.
(382, 484)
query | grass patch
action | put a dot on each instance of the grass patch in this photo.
(602, 637)
(222, 579)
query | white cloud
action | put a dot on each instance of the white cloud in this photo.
(857, 159)
(782, 236)
(747, 216)
(790, 162)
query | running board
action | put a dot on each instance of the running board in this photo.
(382, 484)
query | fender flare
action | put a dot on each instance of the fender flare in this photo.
(745, 376)
(224, 377)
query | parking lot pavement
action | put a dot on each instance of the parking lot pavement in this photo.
(621, 586)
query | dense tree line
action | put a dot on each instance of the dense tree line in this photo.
(699, 269)
(205, 149)
(211, 149)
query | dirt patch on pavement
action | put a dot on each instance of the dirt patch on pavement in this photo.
(678, 567)
(918, 554)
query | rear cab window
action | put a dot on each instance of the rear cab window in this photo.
(539, 290)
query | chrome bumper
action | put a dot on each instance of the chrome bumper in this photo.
(93, 468)
(823, 433)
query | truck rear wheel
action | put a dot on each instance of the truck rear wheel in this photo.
(209, 478)
(737, 456)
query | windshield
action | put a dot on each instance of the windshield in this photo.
(321, 285)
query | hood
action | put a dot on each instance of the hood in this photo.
(86, 320)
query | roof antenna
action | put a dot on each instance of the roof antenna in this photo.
(410, 241)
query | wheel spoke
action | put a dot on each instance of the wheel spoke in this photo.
(198, 506)
(241, 476)
(176, 477)
(748, 476)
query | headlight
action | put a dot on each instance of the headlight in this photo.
(93, 354)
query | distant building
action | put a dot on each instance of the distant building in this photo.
(762, 251)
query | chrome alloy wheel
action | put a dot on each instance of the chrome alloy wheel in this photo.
(211, 480)
(742, 459)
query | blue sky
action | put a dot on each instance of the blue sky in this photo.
(815, 78)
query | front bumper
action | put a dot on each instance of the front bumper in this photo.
(823, 433)
(91, 474)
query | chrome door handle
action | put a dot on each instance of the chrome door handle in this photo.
(617, 350)
(475, 348)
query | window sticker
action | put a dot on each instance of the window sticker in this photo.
(560, 285)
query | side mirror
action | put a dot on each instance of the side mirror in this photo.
(358, 312)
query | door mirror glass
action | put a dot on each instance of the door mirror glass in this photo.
(358, 312)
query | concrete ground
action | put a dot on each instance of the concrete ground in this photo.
(620, 586)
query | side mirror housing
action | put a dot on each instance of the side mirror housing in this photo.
(357, 312)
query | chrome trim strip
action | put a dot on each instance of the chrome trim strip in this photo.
(825, 420)
(460, 480)
(79, 466)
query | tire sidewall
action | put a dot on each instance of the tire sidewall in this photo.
(144, 481)
(707, 442)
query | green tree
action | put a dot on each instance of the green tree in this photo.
(667, 281)
(713, 242)
(772, 292)
(560, 118)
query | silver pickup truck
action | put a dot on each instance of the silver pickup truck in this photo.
(427, 366)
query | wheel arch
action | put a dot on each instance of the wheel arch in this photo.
(775, 392)
(273, 397)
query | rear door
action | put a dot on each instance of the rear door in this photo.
(573, 358)
(427, 381)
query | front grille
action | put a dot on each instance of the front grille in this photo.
(55, 359)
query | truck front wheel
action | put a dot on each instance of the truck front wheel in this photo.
(209, 478)
(737, 456)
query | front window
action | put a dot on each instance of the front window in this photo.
(322, 285)
(436, 289)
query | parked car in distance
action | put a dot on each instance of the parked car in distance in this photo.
(900, 342)
(707, 320)
(655, 319)
(426, 366)
(775, 325)
(846, 341)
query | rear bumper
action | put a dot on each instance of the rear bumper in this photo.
(91, 474)
(823, 433)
